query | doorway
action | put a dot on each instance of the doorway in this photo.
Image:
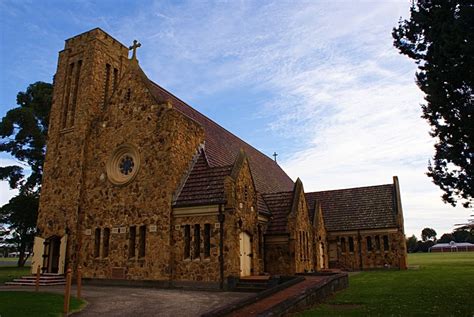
(245, 254)
(51, 255)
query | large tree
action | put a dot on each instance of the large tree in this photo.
(428, 234)
(20, 213)
(23, 133)
(439, 36)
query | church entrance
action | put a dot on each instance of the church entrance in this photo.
(245, 254)
(51, 255)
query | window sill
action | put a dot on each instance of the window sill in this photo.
(66, 130)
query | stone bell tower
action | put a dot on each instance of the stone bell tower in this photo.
(89, 69)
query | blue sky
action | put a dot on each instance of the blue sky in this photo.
(318, 82)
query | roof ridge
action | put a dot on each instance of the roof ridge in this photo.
(206, 117)
(348, 188)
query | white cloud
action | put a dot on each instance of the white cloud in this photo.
(342, 99)
(338, 96)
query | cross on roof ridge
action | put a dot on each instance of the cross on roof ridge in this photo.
(134, 47)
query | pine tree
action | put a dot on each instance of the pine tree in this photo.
(439, 36)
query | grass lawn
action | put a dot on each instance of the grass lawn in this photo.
(23, 303)
(437, 284)
(18, 304)
(8, 273)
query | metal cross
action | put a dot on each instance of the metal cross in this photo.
(275, 155)
(134, 48)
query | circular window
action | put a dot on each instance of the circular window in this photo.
(123, 165)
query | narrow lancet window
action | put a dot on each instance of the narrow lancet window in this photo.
(197, 242)
(107, 83)
(187, 241)
(67, 94)
(207, 240)
(131, 241)
(97, 243)
(105, 243)
(142, 244)
(76, 91)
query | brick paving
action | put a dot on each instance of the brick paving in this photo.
(266, 303)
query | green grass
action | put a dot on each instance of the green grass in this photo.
(437, 284)
(35, 304)
(22, 303)
(8, 273)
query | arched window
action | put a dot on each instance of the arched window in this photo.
(343, 245)
(386, 246)
(351, 244)
(369, 244)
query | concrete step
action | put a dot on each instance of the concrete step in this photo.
(33, 283)
(253, 284)
(44, 280)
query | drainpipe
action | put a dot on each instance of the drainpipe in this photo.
(359, 238)
(221, 219)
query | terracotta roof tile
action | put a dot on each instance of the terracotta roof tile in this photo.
(204, 185)
(279, 205)
(222, 147)
(356, 208)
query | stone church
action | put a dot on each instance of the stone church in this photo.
(139, 186)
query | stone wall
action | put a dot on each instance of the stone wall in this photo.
(320, 243)
(301, 232)
(77, 101)
(241, 216)
(279, 255)
(191, 268)
(377, 257)
(166, 142)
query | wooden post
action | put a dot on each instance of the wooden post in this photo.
(79, 282)
(67, 292)
(37, 283)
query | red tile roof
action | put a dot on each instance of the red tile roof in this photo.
(222, 147)
(204, 185)
(356, 208)
(279, 205)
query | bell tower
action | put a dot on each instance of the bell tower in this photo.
(88, 71)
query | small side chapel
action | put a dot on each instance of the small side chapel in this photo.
(140, 186)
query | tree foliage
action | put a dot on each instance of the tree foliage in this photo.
(412, 244)
(23, 133)
(439, 36)
(428, 234)
(446, 238)
(21, 213)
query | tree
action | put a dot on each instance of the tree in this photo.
(440, 38)
(21, 213)
(23, 133)
(428, 234)
(411, 244)
(463, 236)
(446, 238)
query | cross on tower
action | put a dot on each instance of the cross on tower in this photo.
(134, 48)
(275, 156)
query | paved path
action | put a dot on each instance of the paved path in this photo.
(268, 302)
(128, 301)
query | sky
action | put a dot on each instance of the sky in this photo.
(318, 82)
